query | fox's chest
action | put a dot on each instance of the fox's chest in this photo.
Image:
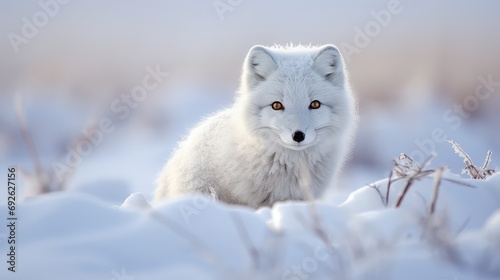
(278, 178)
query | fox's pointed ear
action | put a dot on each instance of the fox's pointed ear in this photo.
(259, 64)
(329, 63)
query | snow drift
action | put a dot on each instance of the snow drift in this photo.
(79, 236)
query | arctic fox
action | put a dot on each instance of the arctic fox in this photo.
(285, 137)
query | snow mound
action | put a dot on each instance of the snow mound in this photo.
(72, 235)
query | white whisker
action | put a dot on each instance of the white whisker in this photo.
(326, 127)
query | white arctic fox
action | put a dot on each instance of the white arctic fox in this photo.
(285, 137)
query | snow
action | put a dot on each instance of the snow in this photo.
(71, 235)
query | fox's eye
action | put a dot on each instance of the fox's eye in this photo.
(314, 105)
(277, 106)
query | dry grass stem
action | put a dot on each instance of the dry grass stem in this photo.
(435, 190)
(29, 142)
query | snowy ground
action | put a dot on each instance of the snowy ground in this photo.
(75, 236)
(102, 226)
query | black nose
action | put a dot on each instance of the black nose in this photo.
(298, 136)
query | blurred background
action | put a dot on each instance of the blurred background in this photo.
(422, 70)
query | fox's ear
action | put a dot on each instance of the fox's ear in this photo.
(259, 64)
(329, 63)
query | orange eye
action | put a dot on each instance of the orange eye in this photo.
(314, 105)
(277, 105)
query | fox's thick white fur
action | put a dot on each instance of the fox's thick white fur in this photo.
(246, 153)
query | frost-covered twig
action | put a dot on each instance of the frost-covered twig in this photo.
(404, 166)
(467, 160)
(413, 177)
(487, 160)
(471, 169)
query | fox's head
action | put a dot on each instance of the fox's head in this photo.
(297, 97)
